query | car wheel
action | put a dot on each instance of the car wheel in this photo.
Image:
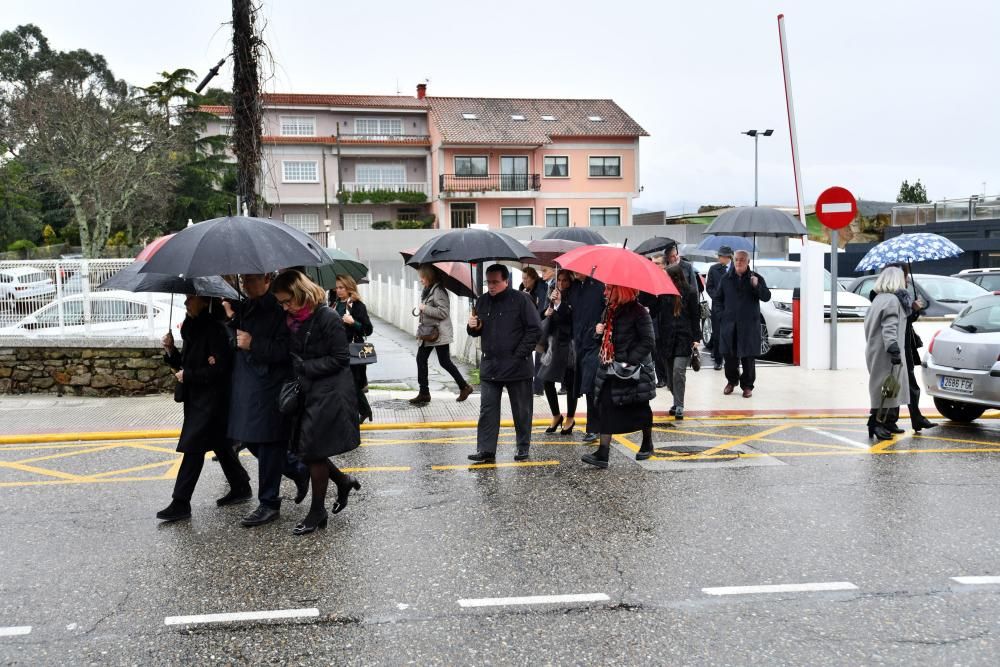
(765, 344)
(706, 331)
(957, 411)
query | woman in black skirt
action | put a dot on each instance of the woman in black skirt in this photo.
(346, 300)
(327, 422)
(625, 383)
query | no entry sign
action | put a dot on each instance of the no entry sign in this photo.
(836, 208)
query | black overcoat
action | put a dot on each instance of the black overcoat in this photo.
(362, 326)
(676, 334)
(632, 338)
(539, 296)
(715, 274)
(259, 373)
(556, 346)
(328, 422)
(586, 301)
(510, 330)
(205, 389)
(740, 303)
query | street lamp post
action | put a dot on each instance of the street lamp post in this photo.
(755, 134)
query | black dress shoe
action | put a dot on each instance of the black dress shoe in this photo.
(522, 454)
(717, 367)
(260, 516)
(344, 492)
(175, 511)
(301, 488)
(594, 460)
(894, 428)
(483, 457)
(921, 423)
(311, 523)
(235, 497)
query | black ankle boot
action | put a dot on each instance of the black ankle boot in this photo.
(175, 511)
(316, 518)
(599, 458)
(645, 451)
(877, 429)
(918, 421)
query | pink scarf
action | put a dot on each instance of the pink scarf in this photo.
(294, 321)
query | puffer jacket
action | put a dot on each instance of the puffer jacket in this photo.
(632, 337)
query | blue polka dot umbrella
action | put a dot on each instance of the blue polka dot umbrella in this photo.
(906, 249)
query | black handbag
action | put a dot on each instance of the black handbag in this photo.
(695, 360)
(290, 397)
(362, 353)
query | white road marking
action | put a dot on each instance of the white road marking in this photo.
(837, 207)
(838, 438)
(241, 616)
(534, 599)
(782, 588)
(976, 581)
(15, 631)
(402, 606)
(71, 626)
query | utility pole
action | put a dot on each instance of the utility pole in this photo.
(340, 181)
(246, 103)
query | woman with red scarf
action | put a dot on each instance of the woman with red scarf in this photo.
(625, 383)
(327, 421)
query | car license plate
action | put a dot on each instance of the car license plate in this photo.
(962, 385)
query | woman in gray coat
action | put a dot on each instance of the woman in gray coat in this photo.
(435, 325)
(885, 326)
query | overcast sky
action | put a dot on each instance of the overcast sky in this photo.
(883, 89)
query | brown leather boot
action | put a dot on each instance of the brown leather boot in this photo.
(423, 398)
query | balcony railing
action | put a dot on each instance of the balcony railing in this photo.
(384, 138)
(947, 210)
(490, 183)
(390, 187)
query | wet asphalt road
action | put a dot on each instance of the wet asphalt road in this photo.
(87, 567)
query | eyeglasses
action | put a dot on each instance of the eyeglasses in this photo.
(284, 302)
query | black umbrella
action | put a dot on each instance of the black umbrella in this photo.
(579, 234)
(756, 221)
(228, 246)
(655, 244)
(132, 280)
(470, 245)
(546, 250)
(455, 277)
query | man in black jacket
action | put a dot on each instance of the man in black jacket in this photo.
(508, 323)
(260, 367)
(740, 294)
(586, 301)
(715, 274)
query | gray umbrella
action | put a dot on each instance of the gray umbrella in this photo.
(756, 221)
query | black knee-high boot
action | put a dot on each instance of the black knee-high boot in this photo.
(646, 447)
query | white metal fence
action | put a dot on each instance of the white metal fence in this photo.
(59, 301)
(395, 300)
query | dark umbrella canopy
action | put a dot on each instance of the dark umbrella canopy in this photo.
(132, 280)
(226, 246)
(339, 264)
(470, 245)
(756, 221)
(655, 244)
(546, 250)
(456, 277)
(714, 243)
(578, 234)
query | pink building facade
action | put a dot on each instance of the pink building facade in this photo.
(351, 161)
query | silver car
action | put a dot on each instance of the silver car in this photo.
(961, 369)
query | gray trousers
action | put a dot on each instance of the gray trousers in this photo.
(677, 378)
(521, 405)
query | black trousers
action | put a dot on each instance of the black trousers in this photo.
(749, 375)
(569, 382)
(716, 347)
(273, 461)
(521, 403)
(593, 422)
(360, 374)
(536, 383)
(444, 359)
(661, 370)
(193, 462)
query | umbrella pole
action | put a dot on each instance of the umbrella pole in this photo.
(170, 317)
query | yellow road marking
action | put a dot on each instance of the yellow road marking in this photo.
(379, 469)
(512, 464)
(41, 471)
(49, 457)
(883, 446)
(82, 480)
(150, 448)
(148, 466)
(963, 441)
(745, 439)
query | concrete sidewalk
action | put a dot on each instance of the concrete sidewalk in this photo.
(781, 390)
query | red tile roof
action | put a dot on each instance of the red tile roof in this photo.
(216, 109)
(386, 101)
(493, 123)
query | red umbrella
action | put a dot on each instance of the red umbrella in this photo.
(618, 266)
(153, 246)
(546, 250)
(456, 277)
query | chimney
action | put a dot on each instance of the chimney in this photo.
(421, 91)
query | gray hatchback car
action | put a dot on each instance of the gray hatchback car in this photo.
(961, 369)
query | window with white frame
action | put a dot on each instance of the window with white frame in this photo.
(378, 126)
(358, 220)
(556, 166)
(226, 128)
(306, 222)
(557, 217)
(298, 126)
(466, 165)
(606, 166)
(605, 217)
(516, 217)
(380, 174)
(300, 171)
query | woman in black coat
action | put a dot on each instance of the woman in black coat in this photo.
(538, 290)
(679, 334)
(327, 422)
(202, 370)
(625, 382)
(558, 361)
(348, 304)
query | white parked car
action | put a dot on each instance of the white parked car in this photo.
(22, 283)
(112, 314)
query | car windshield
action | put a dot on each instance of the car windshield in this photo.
(786, 277)
(980, 317)
(949, 290)
(991, 282)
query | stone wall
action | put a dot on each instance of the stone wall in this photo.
(84, 371)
